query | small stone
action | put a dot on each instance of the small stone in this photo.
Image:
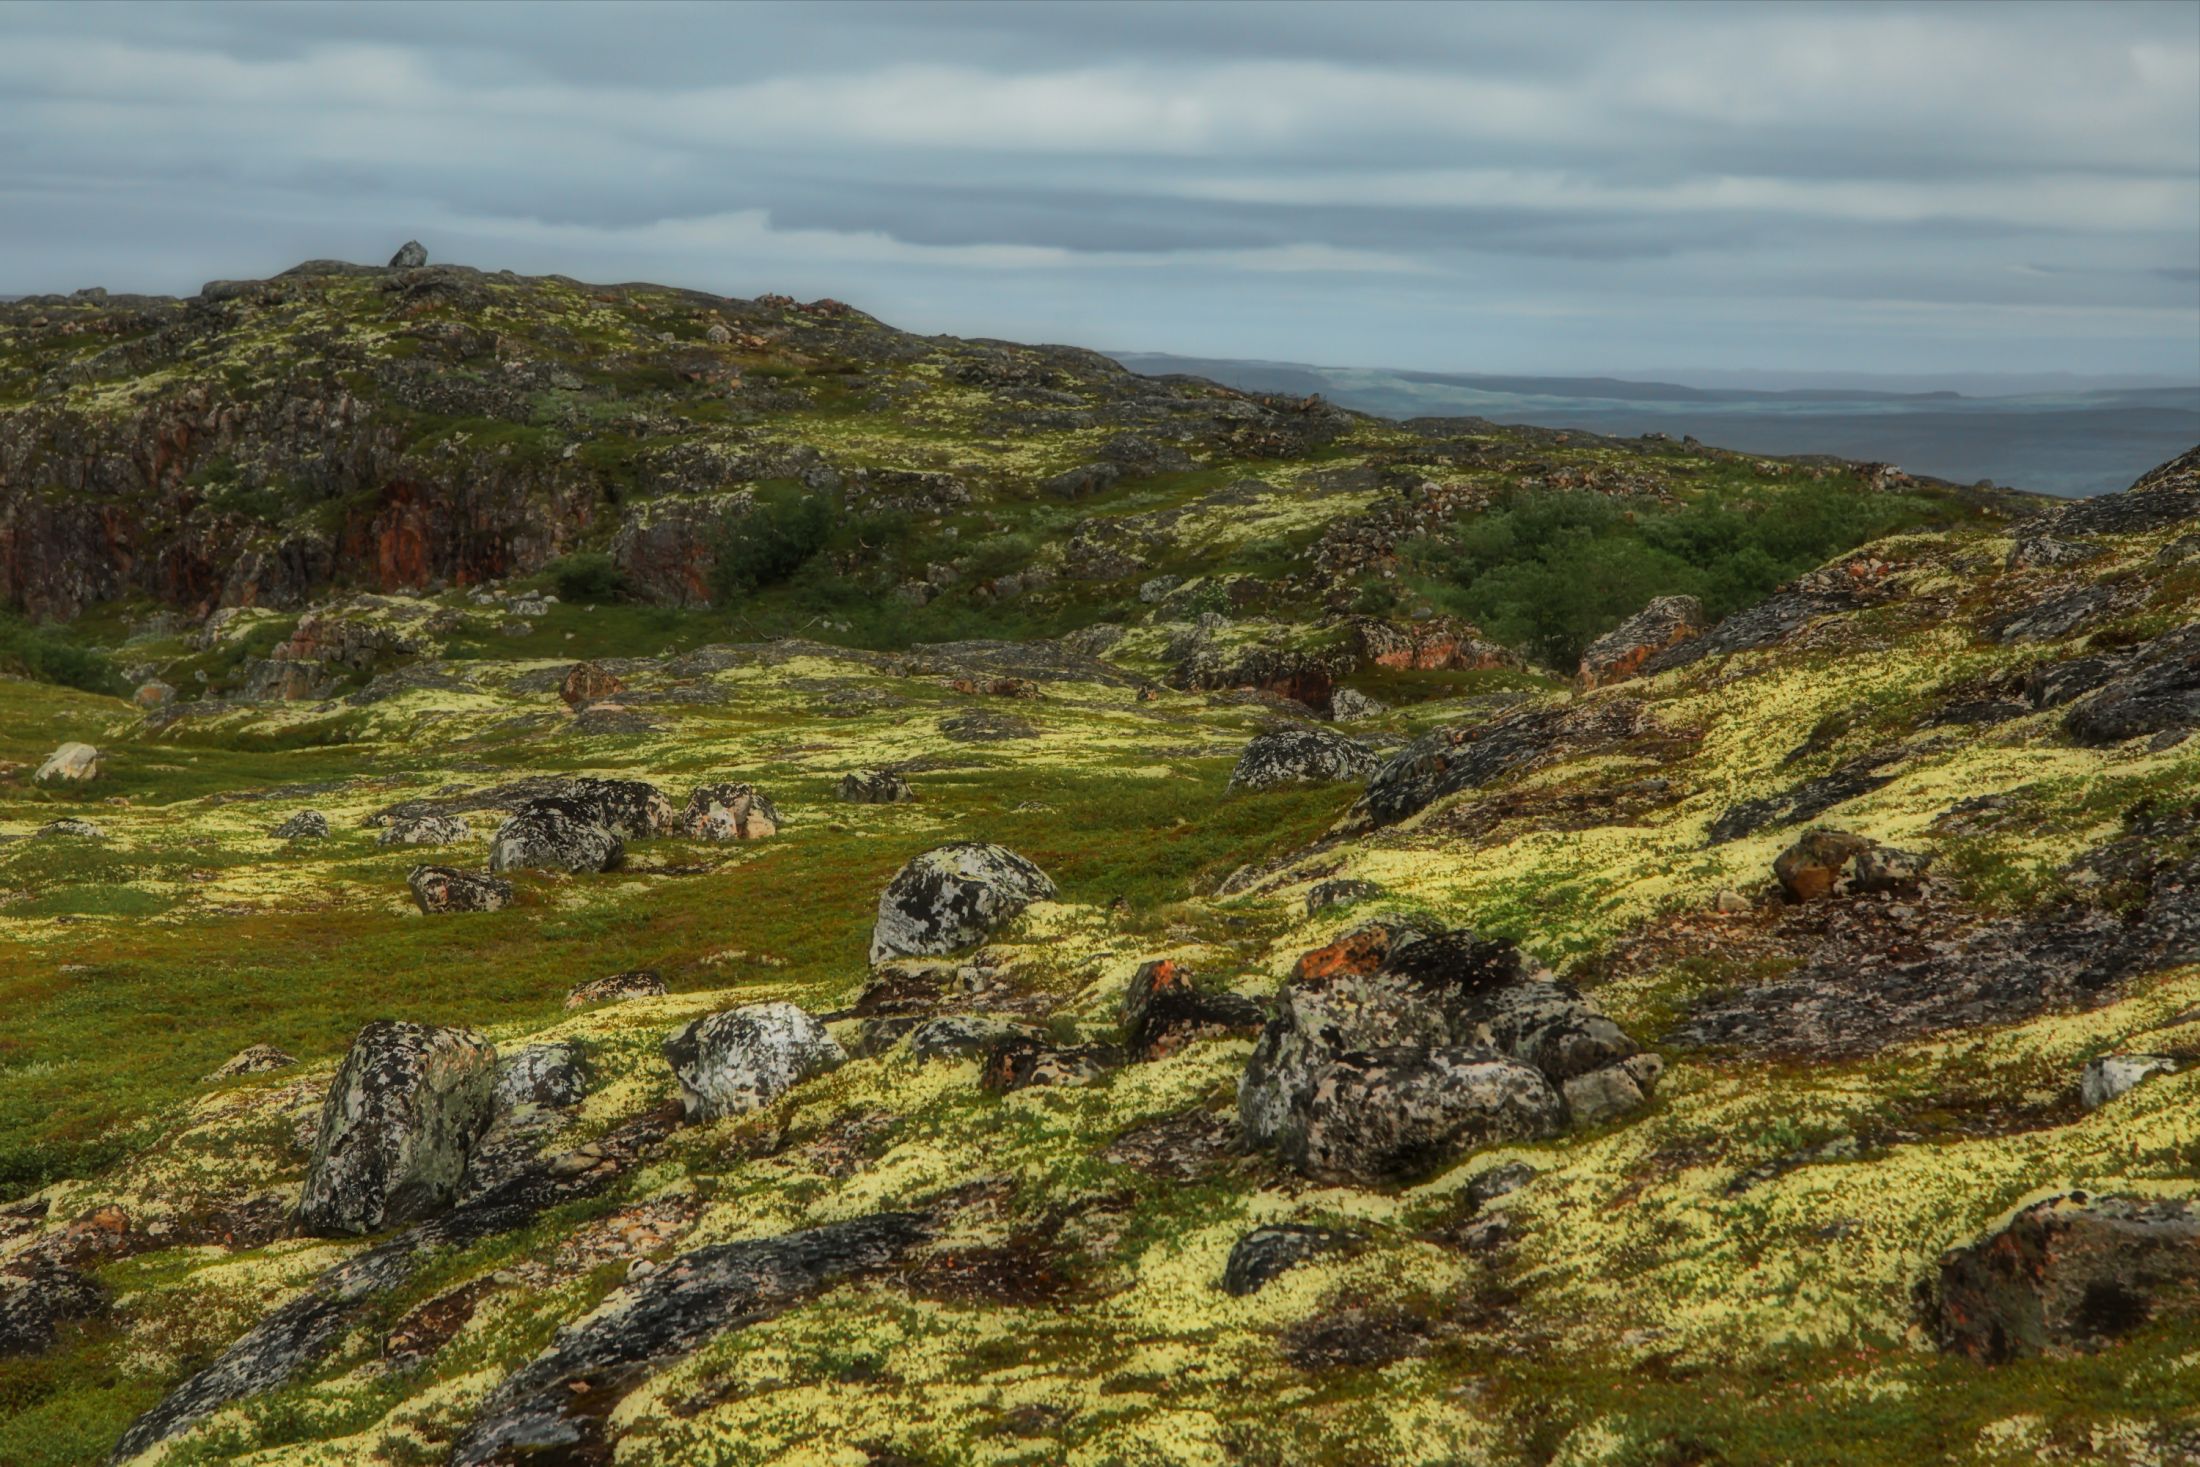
(1809, 869)
(618, 988)
(587, 683)
(2113, 1074)
(1266, 1253)
(72, 763)
(1729, 902)
(70, 827)
(305, 825)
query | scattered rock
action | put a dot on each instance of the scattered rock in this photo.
(2073, 1274)
(1024, 1061)
(1621, 652)
(305, 825)
(1347, 705)
(71, 827)
(619, 987)
(952, 897)
(1268, 1252)
(553, 1075)
(72, 763)
(1164, 1010)
(1729, 902)
(729, 812)
(425, 830)
(448, 889)
(557, 1404)
(632, 809)
(875, 787)
(154, 694)
(1468, 755)
(2113, 1074)
(2049, 551)
(1812, 867)
(1301, 755)
(34, 1305)
(1324, 895)
(959, 1036)
(588, 683)
(743, 1059)
(401, 1118)
(410, 256)
(253, 1060)
(554, 835)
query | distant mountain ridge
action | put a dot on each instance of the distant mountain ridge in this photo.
(2069, 443)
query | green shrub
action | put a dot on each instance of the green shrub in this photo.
(766, 546)
(1549, 573)
(590, 577)
(44, 655)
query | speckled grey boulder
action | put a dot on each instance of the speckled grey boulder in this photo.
(874, 787)
(425, 830)
(743, 1059)
(448, 889)
(305, 825)
(401, 1118)
(730, 811)
(631, 808)
(952, 897)
(555, 1074)
(554, 835)
(1302, 756)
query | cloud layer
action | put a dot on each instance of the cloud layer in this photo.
(1899, 188)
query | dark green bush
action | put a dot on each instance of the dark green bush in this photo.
(765, 547)
(1549, 573)
(46, 656)
(589, 577)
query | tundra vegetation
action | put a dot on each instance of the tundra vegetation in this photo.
(1046, 915)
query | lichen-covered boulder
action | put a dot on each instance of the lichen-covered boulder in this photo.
(2114, 1074)
(1266, 1253)
(448, 889)
(1323, 895)
(631, 808)
(72, 828)
(425, 830)
(1388, 1062)
(305, 825)
(554, 835)
(1817, 862)
(34, 1304)
(1348, 704)
(72, 763)
(874, 787)
(400, 1121)
(554, 1075)
(962, 1036)
(410, 256)
(254, 1059)
(743, 1059)
(729, 811)
(1301, 756)
(953, 896)
(2069, 1275)
(618, 988)
(587, 683)
(1620, 653)
(1164, 1009)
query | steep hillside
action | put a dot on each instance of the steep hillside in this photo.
(1222, 1017)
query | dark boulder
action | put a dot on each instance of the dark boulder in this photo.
(632, 809)
(448, 889)
(1469, 755)
(401, 1118)
(305, 825)
(424, 830)
(952, 897)
(1324, 895)
(410, 256)
(555, 834)
(2069, 1275)
(33, 1306)
(2156, 689)
(743, 1059)
(1299, 756)
(1266, 1253)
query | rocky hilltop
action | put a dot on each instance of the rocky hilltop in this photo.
(616, 874)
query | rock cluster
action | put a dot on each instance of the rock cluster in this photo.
(1393, 1052)
(728, 812)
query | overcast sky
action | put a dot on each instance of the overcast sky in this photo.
(1570, 188)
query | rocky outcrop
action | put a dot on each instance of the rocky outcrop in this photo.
(1621, 652)
(558, 1405)
(952, 897)
(2073, 1274)
(2153, 689)
(448, 889)
(72, 763)
(1449, 1042)
(729, 811)
(587, 683)
(1439, 644)
(400, 1121)
(875, 787)
(554, 835)
(1466, 756)
(746, 1058)
(253, 1060)
(1301, 756)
